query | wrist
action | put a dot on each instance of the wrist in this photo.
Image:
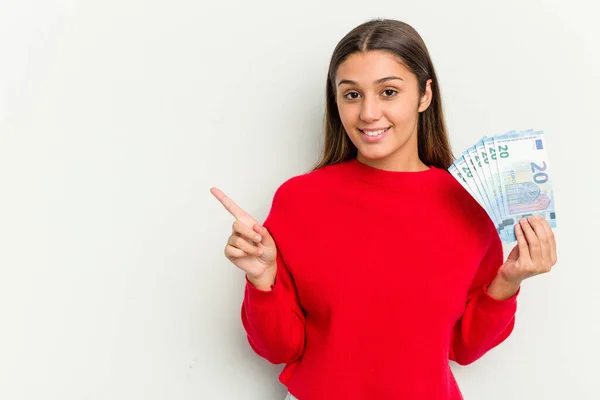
(503, 289)
(265, 280)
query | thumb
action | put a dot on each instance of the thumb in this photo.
(514, 254)
(267, 239)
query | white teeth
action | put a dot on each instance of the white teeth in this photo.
(374, 133)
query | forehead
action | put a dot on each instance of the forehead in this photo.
(366, 67)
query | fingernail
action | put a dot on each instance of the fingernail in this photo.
(258, 238)
(531, 218)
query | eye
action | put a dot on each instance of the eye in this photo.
(389, 92)
(351, 95)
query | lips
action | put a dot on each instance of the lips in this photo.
(374, 135)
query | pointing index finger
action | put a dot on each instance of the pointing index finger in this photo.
(233, 208)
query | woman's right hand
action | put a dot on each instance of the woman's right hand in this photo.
(250, 246)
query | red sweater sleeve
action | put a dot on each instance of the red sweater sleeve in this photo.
(273, 319)
(486, 322)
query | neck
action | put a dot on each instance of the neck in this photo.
(404, 159)
(396, 162)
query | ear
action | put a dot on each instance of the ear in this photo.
(426, 98)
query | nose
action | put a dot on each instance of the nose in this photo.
(370, 109)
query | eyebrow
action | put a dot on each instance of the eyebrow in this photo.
(377, 82)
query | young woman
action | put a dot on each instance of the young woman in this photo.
(376, 268)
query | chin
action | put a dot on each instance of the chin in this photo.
(375, 155)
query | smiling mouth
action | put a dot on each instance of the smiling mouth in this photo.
(374, 133)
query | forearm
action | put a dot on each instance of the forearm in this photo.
(487, 321)
(272, 317)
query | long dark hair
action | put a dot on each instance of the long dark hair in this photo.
(404, 42)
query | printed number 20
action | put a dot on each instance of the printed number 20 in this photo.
(540, 177)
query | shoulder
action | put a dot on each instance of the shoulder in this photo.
(460, 202)
(299, 197)
(306, 185)
(458, 196)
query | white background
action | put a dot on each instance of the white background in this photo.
(116, 117)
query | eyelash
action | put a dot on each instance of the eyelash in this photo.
(386, 90)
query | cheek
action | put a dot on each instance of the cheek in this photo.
(402, 112)
(348, 114)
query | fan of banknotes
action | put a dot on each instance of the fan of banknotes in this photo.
(510, 178)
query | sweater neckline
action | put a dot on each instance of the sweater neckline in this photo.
(383, 177)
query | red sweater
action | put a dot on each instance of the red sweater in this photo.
(381, 280)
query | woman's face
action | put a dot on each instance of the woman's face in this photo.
(379, 104)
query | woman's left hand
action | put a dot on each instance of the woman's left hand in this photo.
(534, 254)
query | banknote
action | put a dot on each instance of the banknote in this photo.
(526, 180)
(468, 180)
(510, 177)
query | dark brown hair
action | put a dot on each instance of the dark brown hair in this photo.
(404, 42)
